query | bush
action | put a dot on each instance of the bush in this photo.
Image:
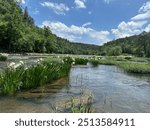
(94, 62)
(81, 61)
(3, 58)
(68, 60)
(128, 58)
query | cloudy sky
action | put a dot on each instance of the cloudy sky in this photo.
(91, 21)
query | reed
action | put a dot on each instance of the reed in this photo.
(17, 78)
(135, 68)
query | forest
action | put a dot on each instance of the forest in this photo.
(18, 33)
(138, 45)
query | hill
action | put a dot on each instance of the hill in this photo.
(18, 33)
(138, 45)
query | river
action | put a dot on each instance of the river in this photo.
(113, 91)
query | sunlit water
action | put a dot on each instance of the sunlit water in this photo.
(111, 88)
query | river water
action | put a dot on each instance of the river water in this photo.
(113, 91)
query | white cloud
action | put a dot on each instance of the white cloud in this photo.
(128, 29)
(80, 3)
(147, 29)
(145, 7)
(22, 1)
(86, 24)
(108, 1)
(76, 33)
(57, 8)
(144, 12)
(141, 16)
(136, 25)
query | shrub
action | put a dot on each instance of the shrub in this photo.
(94, 62)
(128, 58)
(68, 60)
(3, 58)
(81, 61)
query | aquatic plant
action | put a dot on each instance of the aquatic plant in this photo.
(107, 62)
(17, 78)
(135, 68)
(3, 57)
(10, 80)
(81, 107)
(94, 62)
(81, 61)
(68, 60)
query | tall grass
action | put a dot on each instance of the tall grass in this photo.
(20, 78)
(81, 61)
(10, 80)
(107, 62)
(81, 107)
(135, 68)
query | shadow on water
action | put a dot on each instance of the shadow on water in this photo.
(113, 90)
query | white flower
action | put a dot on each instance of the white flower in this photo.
(4, 54)
(73, 59)
(21, 62)
(11, 64)
(41, 59)
(73, 63)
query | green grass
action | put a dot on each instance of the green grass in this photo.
(81, 61)
(135, 68)
(10, 80)
(17, 79)
(81, 107)
(94, 62)
(107, 62)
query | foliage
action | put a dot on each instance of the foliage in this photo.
(10, 80)
(81, 107)
(3, 58)
(94, 62)
(138, 45)
(19, 34)
(17, 78)
(115, 51)
(135, 68)
(68, 60)
(81, 61)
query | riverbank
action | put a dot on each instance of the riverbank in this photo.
(19, 77)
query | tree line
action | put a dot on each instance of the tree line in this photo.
(138, 45)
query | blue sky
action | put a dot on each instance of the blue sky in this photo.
(91, 21)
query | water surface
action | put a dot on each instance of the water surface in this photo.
(112, 89)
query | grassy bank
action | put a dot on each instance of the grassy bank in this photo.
(17, 78)
(135, 68)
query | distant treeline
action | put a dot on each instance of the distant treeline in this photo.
(138, 45)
